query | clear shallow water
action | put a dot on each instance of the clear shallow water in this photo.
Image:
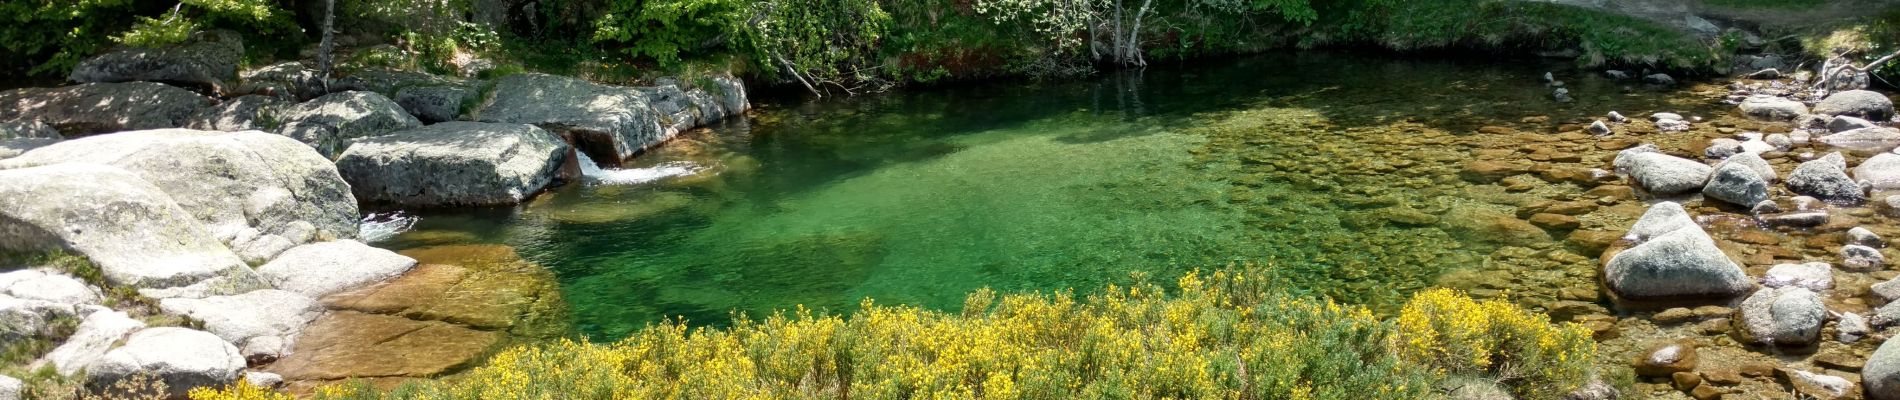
(919, 197)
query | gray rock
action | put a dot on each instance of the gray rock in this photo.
(1798, 219)
(1617, 117)
(1882, 171)
(1888, 291)
(387, 82)
(1757, 146)
(1826, 178)
(454, 163)
(11, 388)
(1765, 207)
(1816, 276)
(95, 336)
(1596, 389)
(1863, 258)
(183, 359)
(1672, 125)
(1735, 183)
(247, 188)
(1673, 259)
(1847, 123)
(1865, 104)
(147, 241)
(1881, 376)
(1875, 138)
(263, 379)
(320, 269)
(1773, 108)
(1599, 128)
(244, 113)
(1819, 386)
(286, 79)
(1886, 316)
(331, 122)
(1779, 141)
(239, 318)
(1789, 316)
(1722, 148)
(28, 130)
(1664, 174)
(1660, 79)
(609, 123)
(96, 108)
(1665, 116)
(1754, 162)
(20, 319)
(1864, 237)
(1807, 203)
(1616, 74)
(1852, 327)
(206, 61)
(47, 285)
(10, 148)
(432, 104)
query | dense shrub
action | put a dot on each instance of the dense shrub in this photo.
(48, 37)
(1221, 336)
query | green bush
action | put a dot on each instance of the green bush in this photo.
(48, 37)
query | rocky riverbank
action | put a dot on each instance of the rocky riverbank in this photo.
(175, 223)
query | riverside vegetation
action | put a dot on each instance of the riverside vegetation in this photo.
(1224, 335)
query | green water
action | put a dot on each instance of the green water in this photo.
(919, 197)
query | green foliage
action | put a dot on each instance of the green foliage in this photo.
(48, 37)
(664, 29)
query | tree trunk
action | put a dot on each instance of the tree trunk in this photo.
(328, 44)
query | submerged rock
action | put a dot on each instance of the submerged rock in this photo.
(258, 193)
(148, 241)
(1875, 138)
(1773, 108)
(1666, 358)
(1826, 178)
(1847, 123)
(206, 61)
(1673, 258)
(349, 344)
(96, 108)
(183, 359)
(1788, 316)
(454, 163)
(1866, 104)
(332, 122)
(1816, 276)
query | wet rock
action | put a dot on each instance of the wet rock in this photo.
(1599, 128)
(1826, 178)
(1557, 222)
(1816, 276)
(257, 193)
(1839, 359)
(1866, 104)
(1807, 203)
(609, 123)
(1872, 139)
(1659, 79)
(1665, 359)
(1819, 386)
(1665, 116)
(1674, 315)
(95, 108)
(1797, 219)
(95, 335)
(1662, 173)
(1485, 225)
(1863, 258)
(1765, 207)
(240, 318)
(1618, 118)
(332, 122)
(482, 286)
(1862, 236)
(319, 269)
(1847, 123)
(1735, 183)
(1882, 374)
(453, 163)
(244, 113)
(1674, 258)
(1591, 241)
(1789, 316)
(1852, 327)
(205, 61)
(1672, 125)
(149, 241)
(1722, 148)
(181, 358)
(1779, 142)
(1772, 108)
(349, 344)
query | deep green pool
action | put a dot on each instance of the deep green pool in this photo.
(918, 197)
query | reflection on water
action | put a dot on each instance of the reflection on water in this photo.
(1338, 170)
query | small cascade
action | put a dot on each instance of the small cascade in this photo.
(384, 226)
(634, 176)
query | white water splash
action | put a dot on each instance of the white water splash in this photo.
(634, 176)
(380, 227)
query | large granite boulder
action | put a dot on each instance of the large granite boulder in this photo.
(1881, 375)
(454, 163)
(19, 137)
(94, 337)
(206, 62)
(1673, 258)
(96, 108)
(1662, 173)
(1826, 178)
(263, 316)
(47, 285)
(258, 193)
(131, 229)
(319, 269)
(289, 78)
(610, 123)
(183, 359)
(1773, 108)
(1787, 316)
(433, 104)
(245, 113)
(331, 122)
(1866, 104)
